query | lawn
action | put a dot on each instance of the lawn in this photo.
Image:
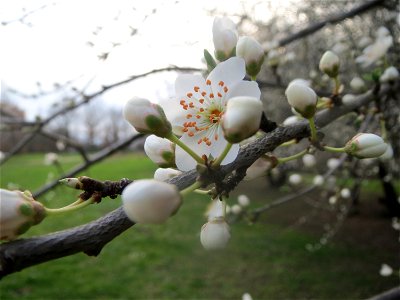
(267, 259)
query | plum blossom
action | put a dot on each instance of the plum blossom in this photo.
(200, 103)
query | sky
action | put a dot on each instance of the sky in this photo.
(60, 41)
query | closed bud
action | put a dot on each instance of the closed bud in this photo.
(295, 179)
(242, 118)
(309, 160)
(389, 75)
(18, 212)
(329, 64)
(161, 151)
(224, 37)
(253, 54)
(366, 145)
(388, 155)
(345, 193)
(243, 200)
(302, 98)
(147, 117)
(349, 99)
(215, 234)
(318, 180)
(236, 209)
(162, 174)
(357, 84)
(149, 201)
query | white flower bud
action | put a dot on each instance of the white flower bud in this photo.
(162, 174)
(388, 153)
(246, 296)
(291, 120)
(161, 151)
(150, 201)
(301, 81)
(50, 158)
(333, 163)
(318, 180)
(257, 169)
(18, 212)
(385, 270)
(302, 98)
(236, 209)
(332, 200)
(215, 210)
(348, 99)
(242, 118)
(357, 84)
(243, 200)
(366, 145)
(224, 37)
(345, 193)
(295, 179)
(390, 74)
(309, 160)
(147, 117)
(252, 52)
(215, 234)
(329, 64)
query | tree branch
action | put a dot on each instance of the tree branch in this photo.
(90, 238)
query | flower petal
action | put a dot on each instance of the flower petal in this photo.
(184, 161)
(185, 83)
(219, 146)
(244, 88)
(230, 72)
(174, 114)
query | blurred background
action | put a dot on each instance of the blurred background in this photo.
(68, 67)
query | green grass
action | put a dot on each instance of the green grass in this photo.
(167, 262)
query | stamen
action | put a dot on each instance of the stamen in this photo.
(182, 102)
(208, 143)
(208, 82)
(221, 83)
(191, 105)
(201, 109)
(219, 95)
(198, 116)
(190, 134)
(199, 141)
(203, 93)
(225, 89)
(216, 137)
(189, 95)
(201, 101)
(211, 95)
(188, 116)
(196, 89)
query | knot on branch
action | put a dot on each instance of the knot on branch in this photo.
(100, 189)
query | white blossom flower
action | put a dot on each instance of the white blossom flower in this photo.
(309, 160)
(333, 163)
(390, 74)
(215, 234)
(225, 38)
(246, 296)
(243, 200)
(357, 84)
(18, 212)
(160, 150)
(385, 270)
(332, 200)
(318, 180)
(163, 174)
(200, 104)
(291, 120)
(236, 209)
(149, 201)
(375, 51)
(366, 145)
(295, 179)
(329, 64)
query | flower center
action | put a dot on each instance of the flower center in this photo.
(204, 111)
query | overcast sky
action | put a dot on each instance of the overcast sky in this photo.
(58, 41)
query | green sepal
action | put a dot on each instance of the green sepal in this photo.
(26, 209)
(211, 64)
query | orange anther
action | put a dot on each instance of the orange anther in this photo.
(191, 105)
(196, 89)
(198, 116)
(199, 141)
(188, 116)
(221, 83)
(185, 107)
(211, 95)
(182, 102)
(201, 109)
(203, 93)
(190, 134)
(201, 101)
(225, 89)
(208, 82)
(205, 139)
(216, 137)
(219, 95)
(189, 95)
(208, 143)
(185, 129)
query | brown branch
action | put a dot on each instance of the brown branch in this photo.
(330, 20)
(90, 238)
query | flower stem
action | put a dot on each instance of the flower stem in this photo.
(173, 138)
(313, 129)
(337, 86)
(190, 188)
(288, 143)
(292, 157)
(253, 78)
(333, 149)
(218, 161)
(202, 192)
(383, 129)
(56, 211)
